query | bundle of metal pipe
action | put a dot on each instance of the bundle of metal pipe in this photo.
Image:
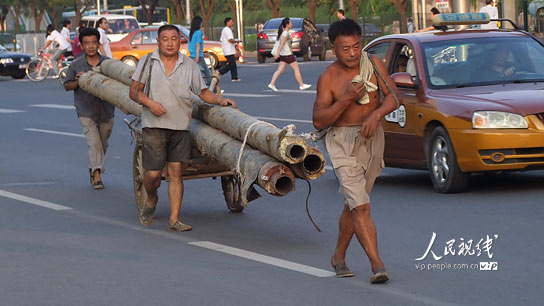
(254, 166)
(312, 167)
(117, 70)
(261, 135)
(110, 91)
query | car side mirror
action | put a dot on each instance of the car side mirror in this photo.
(403, 79)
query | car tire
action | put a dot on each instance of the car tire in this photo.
(308, 55)
(19, 75)
(446, 175)
(261, 58)
(323, 55)
(214, 61)
(130, 60)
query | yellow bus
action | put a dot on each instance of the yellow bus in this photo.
(161, 15)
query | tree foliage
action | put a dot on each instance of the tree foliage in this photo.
(149, 8)
(274, 6)
(206, 10)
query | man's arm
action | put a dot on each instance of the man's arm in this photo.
(72, 85)
(325, 112)
(211, 98)
(388, 104)
(136, 93)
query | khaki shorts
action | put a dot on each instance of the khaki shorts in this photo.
(356, 162)
(162, 145)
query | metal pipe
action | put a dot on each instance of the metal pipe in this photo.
(312, 167)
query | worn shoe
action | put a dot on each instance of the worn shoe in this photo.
(379, 277)
(305, 86)
(341, 269)
(237, 80)
(98, 185)
(272, 87)
(179, 227)
(146, 215)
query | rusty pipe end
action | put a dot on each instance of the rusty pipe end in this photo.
(277, 179)
(296, 152)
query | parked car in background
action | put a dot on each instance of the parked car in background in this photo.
(9, 42)
(370, 31)
(120, 25)
(140, 42)
(13, 64)
(324, 28)
(307, 39)
(460, 116)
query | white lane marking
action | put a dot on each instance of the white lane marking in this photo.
(247, 95)
(28, 184)
(10, 111)
(295, 91)
(282, 119)
(263, 258)
(56, 106)
(33, 201)
(55, 132)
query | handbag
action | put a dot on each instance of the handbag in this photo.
(276, 49)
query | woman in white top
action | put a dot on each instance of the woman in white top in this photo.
(286, 56)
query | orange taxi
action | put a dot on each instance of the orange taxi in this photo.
(140, 42)
(473, 102)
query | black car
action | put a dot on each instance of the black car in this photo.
(370, 31)
(13, 64)
(307, 39)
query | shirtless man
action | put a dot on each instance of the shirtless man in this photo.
(355, 140)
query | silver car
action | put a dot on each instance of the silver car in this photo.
(307, 39)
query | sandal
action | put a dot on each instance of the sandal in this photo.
(379, 277)
(98, 185)
(341, 269)
(179, 227)
(146, 215)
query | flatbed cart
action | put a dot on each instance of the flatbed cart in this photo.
(198, 167)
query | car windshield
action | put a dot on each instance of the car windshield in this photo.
(2, 49)
(483, 61)
(122, 26)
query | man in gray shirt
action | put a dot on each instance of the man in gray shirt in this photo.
(163, 83)
(95, 115)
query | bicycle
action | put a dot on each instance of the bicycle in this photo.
(37, 69)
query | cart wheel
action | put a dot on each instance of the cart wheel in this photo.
(138, 178)
(231, 191)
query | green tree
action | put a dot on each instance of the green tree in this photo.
(312, 5)
(180, 10)
(80, 7)
(206, 10)
(149, 9)
(401, 7)
(353, 8)
(37, 10)
(274, 6)
(55, 8)
(19, 8)
(4, 11)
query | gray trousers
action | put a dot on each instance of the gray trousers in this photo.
(97, 135)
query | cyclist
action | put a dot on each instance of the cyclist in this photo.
(59, 46)
(66, 26)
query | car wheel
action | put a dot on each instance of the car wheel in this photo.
(308, 55)
(130, 60)
(323, 55)
(261, 58)
(214, 62)
(445, 173)
(19, 75)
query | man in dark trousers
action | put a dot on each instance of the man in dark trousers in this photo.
(228, 43)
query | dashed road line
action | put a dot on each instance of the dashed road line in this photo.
(243, 95)
(263, 259)
(10, 111)
(55, 106)
(54, 132)
(282, 119)
(33, 201)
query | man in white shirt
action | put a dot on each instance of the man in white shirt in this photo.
(59, 45)
(493, 14)
(228, 44)
(102, 27)
(65, 32)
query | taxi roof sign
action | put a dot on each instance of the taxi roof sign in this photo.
(460, 19)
